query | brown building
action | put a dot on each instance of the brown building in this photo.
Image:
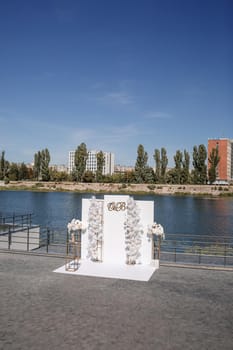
(225, 151)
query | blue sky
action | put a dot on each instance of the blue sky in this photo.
(114, 74)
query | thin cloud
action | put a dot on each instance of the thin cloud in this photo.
(117, 134)
(104, 138)
(97, 85)
(120, 98)
(158, 115)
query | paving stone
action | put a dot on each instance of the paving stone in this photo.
(179, 308)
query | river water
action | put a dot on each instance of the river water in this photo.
(177, 214)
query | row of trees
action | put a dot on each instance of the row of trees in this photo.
(13, 171)
(181, 173)
(142, 173)
(19, 171)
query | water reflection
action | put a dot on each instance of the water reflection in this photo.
(194, 215)
(186, 215)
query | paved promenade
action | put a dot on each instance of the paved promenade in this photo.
(177, 309)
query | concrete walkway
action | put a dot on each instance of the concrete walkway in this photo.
(177, 309)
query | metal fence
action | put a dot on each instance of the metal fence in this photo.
(53, 241)
(15, 220)
(195, 250)
(17, 233)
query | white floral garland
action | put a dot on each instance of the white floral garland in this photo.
(95, 230)
(133, 233)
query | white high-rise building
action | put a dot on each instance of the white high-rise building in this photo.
(91, 164)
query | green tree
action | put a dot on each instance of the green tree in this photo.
(164, 163)
(80, 160)
(58, 175)
(213, 159)
(41, 165)
(73, 175)
(199, 165)
(141, 164)
(37, 165)
(45, 159)
(149, 175)
(171, 176)
(129, 176)
(13, 174)
(88, 176)
(23, 172)
(100, 166)
(161, 162)
(186, 165)
(4, 166)
(157, 159)
(107, 178)
(117, 178)
(178, 159)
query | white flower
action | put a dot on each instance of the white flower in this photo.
(133, 233)
(75, 225)
(95, 230)
(157, 230)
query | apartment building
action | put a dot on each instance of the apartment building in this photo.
(123, 168)
(59, 167)
(91, 163)
(225, 151)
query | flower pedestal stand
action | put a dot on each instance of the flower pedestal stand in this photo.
(72, 258)
(73, 250)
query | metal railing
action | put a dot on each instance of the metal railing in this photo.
(18, 233)
(52, 241)
(15, 220)
(196, 249)
(20, 238)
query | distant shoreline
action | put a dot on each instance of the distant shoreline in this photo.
(156, 189)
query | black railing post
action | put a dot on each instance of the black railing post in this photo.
(9, 238)
(67, 242)
(159, 246)
(153, 248)
(13, 220)
(27, 239)
(48, 240)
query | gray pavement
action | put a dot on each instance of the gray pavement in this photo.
(177, 309)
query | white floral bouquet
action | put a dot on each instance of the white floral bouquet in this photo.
(76, 225)
(157, 230)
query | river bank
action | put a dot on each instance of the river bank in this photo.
(159, 189)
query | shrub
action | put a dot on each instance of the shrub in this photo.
(6, 181)
(151, 187)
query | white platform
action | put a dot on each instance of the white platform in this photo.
(107, 270)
